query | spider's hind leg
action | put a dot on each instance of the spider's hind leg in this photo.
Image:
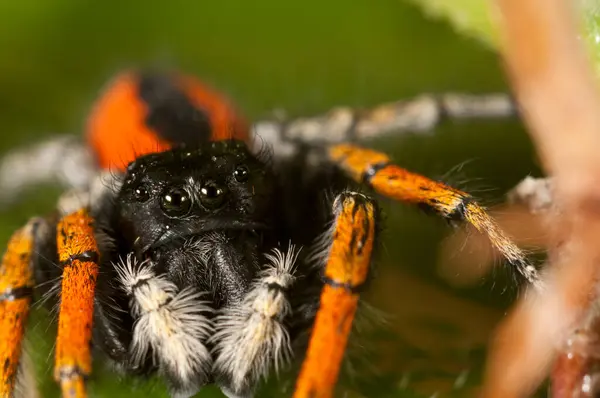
(375, 169)
(16, 289)
(348, 250)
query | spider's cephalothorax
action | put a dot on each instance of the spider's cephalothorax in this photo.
(213, 253)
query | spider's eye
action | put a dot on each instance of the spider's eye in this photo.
(212, 195)
(241, 173)
(141, 194)
(176, 202)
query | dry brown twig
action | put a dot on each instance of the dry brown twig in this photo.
(556, 89)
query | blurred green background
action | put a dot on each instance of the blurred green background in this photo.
(305, 57)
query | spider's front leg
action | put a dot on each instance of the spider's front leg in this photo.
(16, 288)
(78, 255)
(375, 169)
(349, 250)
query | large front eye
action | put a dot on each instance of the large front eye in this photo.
(176, 202)
(212, 195)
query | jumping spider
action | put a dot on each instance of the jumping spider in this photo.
(199, 249)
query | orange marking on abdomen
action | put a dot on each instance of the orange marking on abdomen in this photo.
(346, 270)
(226, 122)
(78, 253)
(16, 282)
(117, 130)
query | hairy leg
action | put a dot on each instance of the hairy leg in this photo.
(348, 259)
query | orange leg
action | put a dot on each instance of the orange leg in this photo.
(345, 272)
(375, 168)
(78, 255)
(16, 287)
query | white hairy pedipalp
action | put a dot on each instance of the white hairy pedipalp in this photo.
(251, 337)
(174, 324)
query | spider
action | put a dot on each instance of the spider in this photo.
(198, 248)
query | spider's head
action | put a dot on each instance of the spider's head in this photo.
(200, 215)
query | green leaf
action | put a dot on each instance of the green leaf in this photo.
(591, 31)
(470, 17)
(475, 18)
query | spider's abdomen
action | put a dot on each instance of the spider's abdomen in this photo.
(141, 113)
